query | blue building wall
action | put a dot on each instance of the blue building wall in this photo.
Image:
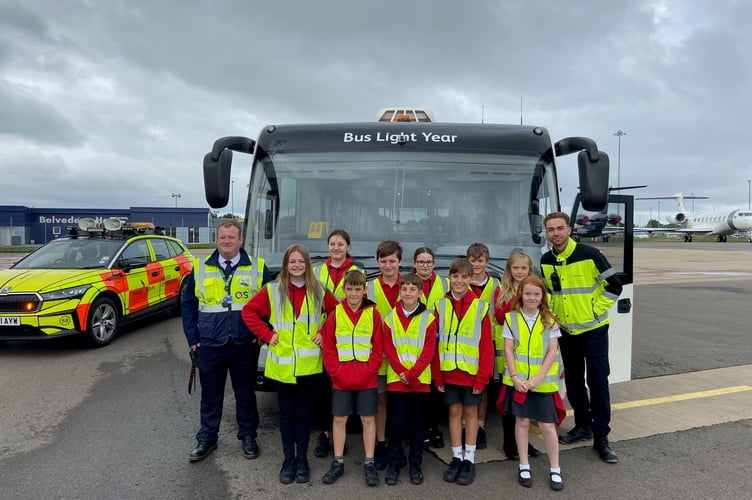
(23, 225)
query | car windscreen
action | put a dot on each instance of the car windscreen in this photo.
(79, 253)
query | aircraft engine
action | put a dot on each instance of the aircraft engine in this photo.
(614, 219)
(678, 218)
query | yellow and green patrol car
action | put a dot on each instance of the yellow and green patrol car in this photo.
(92, 281)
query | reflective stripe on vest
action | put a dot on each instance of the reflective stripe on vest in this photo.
(459, 346)
(353, 341)
(322, 274)
(295, 354)
(530, 348)
(211, 287)
(409, 343)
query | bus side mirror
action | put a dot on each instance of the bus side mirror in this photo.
(218, 165)
(217, 179)
(593, 181)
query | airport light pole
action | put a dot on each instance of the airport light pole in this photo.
(232, 198)
(176, 196)
(619, 133)
(749, 194)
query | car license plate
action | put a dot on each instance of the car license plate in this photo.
(10, 321)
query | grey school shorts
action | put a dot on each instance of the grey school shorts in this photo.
(454, 394)
(363, 402)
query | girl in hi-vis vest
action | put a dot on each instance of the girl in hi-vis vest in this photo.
(295, 305)
(531, 376)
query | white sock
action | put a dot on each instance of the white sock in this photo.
(457, 452)
(470, 453)
(525, 471)
(556, 474)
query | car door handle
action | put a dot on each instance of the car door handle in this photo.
(177, 268)
(155, 273)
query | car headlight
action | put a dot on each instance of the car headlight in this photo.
(66, 293)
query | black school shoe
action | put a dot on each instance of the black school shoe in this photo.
(434, 438)
(467, 473)
(334, 473)
(287, 472)
(557, 485)
(416, 474)
(450, 476)
(302, 471)
(482, 441)
(322, 446)
(527, 482)
(392, 475)
(371, 474)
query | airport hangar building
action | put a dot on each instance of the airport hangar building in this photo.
(20, 225)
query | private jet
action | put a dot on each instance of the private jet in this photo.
(719, 224)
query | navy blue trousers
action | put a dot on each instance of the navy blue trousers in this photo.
(585, 357)
(295, 401)
(214, 363)
(405, 412)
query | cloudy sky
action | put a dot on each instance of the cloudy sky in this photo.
(111, 104)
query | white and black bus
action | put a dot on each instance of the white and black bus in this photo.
(422, 183)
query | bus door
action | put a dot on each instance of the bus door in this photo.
(611, 232)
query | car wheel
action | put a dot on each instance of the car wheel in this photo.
(103, 322)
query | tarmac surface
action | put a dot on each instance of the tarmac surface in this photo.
(117, 423)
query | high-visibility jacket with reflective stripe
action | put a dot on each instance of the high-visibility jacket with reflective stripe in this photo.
(217, 324)
(211, 287)
(322, 273)
(530, 348)
(459, 341)
(295, 354)
(409, 343)
(439, 288)
(353, 341)
(589, 287)
(376, 294)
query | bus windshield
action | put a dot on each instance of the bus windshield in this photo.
(438, 199)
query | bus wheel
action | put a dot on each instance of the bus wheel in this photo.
(103, 322)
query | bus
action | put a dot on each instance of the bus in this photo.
(422, 183)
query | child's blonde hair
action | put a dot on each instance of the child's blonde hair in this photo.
(508, 291)
(546, 315)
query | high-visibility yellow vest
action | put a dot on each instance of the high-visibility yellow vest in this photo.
(353, 341)
(409, 343)
(530, 348)
(211, 288)
(376, 294)
(459, 341)
(295, 354)
(322, 273)
(439, 288)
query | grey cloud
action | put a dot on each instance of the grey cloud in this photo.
(35, 121)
